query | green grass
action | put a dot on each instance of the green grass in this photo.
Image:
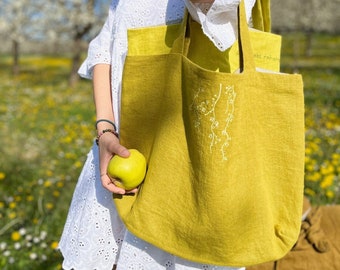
(320, 67)
(47, 130)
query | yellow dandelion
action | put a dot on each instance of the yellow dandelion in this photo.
(56, 193)
(54, 245)
(2, 205)
(12, 215)
(330, 194)
(327, 181)
(47, 183)
(309, 167)
(309, 192)
(66, 139)
(2, 175)
(70, 155)
(60, 184)
(49, 206)
(336, 160)
(308, 151)
(15, 236)
(49, 173)
(314, 177)
(12, 205)
(29, 198)
(78, 164)
(329, 125)
(328, 169)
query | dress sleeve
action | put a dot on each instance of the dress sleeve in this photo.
(219, 21)
(100, 48)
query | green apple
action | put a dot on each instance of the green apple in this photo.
(128, 172)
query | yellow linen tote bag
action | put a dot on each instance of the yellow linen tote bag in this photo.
(225, 154)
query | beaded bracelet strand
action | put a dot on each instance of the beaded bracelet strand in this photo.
(108, 121)
(103, 132)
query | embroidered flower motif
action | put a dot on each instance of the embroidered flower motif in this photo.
(219, 124)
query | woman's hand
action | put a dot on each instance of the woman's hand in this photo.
(108, 143)
(108, 146)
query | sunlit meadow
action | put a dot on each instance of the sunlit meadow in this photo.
(47, 130)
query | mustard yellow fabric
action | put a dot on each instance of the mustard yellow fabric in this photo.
(261, 16)
(225, 154)
(266, 46)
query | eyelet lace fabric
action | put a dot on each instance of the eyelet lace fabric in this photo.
(219, 20)
(137, 254)
(93, 232)
(94, 236)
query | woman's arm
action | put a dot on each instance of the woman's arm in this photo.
(108, 143)
(102, 95)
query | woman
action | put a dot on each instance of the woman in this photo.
(94, 236)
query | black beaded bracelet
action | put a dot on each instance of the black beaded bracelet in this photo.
(104, 131)
(108, 121)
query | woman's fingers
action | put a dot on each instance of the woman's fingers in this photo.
(109, 146)
(119, 150)
(109, 185)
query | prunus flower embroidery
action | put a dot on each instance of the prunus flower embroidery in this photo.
(219, 110)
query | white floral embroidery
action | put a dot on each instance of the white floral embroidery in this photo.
(219, 135)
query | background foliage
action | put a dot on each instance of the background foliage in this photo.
(46, 131)
(317, 58)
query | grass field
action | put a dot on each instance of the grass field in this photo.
(321, 73)
(47, 130)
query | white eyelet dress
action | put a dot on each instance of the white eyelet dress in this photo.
(94, 236)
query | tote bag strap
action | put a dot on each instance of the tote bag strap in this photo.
(247, 62)
(261, 16)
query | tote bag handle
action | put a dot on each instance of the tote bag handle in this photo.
(261, 16)
(247, 62)
(181, 44)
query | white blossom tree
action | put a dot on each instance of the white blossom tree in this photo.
(51, 22)
(308, 17)
(18, 23)
(72, 22)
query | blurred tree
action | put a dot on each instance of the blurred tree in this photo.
(18, 24)
(307, 17)
(57, 22)
(73, 21)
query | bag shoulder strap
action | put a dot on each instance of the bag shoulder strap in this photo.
(261, 15)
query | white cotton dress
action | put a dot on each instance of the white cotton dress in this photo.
(94, 237)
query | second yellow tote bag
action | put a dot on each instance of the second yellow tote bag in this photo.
(225, 155)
